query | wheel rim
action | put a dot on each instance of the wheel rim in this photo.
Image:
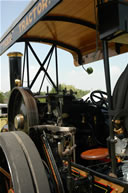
(22, 165)
(14, 163)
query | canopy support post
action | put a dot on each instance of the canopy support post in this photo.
(27, 60)
(23, 66)
(108, 87)
(57, 76)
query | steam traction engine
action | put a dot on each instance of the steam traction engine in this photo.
(57, 143)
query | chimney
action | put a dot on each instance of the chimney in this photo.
(15, 68)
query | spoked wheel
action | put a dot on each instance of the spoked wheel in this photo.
(21, 168)
(22, 110)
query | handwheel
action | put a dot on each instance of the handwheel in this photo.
(21, 168)
(99, 98)
(22, 110)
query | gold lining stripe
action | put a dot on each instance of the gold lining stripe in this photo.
(101, 188)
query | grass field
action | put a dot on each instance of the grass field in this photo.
(3, 121)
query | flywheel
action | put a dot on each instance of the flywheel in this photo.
(22, 110)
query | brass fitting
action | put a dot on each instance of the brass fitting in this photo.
(118, 131)
(18, 82)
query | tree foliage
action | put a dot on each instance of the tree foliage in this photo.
(1, 97)
(4, 97)
(78, 92)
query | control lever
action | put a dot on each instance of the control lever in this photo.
(68, 152)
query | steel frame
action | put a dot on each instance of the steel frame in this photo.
(49, 55)
(55, 42)
(47, 59)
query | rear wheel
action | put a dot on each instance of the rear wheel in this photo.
(21, 168)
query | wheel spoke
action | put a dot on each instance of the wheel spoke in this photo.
(102, 96)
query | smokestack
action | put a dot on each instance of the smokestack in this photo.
(15, 68)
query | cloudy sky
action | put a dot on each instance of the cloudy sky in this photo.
(68, 73)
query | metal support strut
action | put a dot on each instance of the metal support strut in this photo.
(108, 87)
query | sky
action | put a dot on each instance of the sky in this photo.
(68, 73)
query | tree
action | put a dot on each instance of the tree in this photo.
(78, 92)
(6, 96)
(1, 97)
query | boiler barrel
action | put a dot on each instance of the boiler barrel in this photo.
(14, 67)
